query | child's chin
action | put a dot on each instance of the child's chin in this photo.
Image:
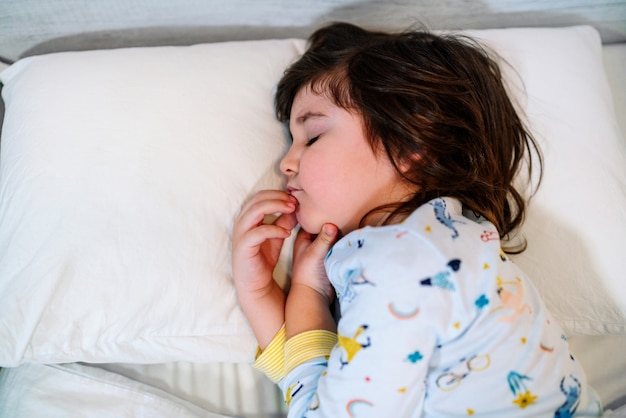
(307, 226)
(310, 229)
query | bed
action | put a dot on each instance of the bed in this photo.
(132, 132)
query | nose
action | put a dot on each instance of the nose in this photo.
(289, 163)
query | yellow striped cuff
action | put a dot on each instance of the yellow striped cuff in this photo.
(271, 361)
(307, 346)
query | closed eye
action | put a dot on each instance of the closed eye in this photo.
(312, 141)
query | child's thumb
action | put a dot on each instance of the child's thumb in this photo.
(327, 236)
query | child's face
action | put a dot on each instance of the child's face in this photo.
(337, 178)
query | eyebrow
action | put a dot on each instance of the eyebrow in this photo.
(303, 118)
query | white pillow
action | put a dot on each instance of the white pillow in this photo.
(576, 224)
(121, 172)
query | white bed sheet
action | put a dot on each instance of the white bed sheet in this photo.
(604, 361)
(230, 389)
(59, 391)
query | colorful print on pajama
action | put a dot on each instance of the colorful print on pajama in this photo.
(436, 321)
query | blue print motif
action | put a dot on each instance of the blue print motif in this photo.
(482, 301)
(353, 278)
(441, 279)
(442, 216)
(571, 390)
(415, 357)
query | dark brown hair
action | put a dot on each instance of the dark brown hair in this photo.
(435, 104)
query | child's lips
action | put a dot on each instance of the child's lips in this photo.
(291, 190)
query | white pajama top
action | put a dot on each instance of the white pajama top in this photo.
(436, 321)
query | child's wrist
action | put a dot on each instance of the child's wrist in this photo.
(245, 290)
(265, 312)
(307, 309)
(323, 294)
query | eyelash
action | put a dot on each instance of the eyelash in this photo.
(312, 141)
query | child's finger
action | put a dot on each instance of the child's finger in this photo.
(257, 236)
(255, 214)
(266, 195)
(325, 240)
(287, 220)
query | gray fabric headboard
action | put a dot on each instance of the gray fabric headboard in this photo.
(40, 26)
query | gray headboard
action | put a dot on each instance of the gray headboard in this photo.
(30, 27)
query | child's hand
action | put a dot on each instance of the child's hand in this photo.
(311, 293)
(308, 260)
(256, 245)
(256, 248)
